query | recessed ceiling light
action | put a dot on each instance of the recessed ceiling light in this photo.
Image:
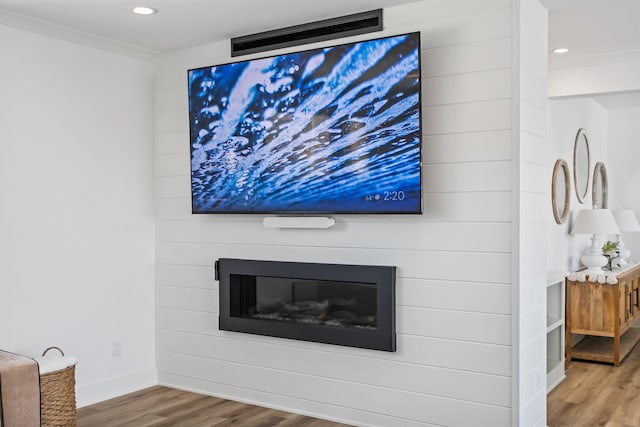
(561, 50)
(144, 10)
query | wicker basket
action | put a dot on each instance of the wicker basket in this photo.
(58, 396)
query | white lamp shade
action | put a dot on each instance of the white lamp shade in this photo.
(595, 221)
(626, 220)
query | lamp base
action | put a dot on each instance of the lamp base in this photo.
(594, 263)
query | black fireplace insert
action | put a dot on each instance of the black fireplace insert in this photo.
(351, 305)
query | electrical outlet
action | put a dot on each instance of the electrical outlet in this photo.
(117, 348)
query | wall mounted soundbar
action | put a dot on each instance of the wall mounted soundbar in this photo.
(327, 29)
(298, 222)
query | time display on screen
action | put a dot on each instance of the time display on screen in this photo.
(387, 196)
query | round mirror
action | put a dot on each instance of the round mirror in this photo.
(560, 191)
(600, 187)
(581, 168)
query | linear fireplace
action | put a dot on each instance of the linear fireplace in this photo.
(351, 305)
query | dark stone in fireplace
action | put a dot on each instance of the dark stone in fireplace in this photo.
(351, 305)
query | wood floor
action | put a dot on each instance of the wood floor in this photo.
(595, 394)
(162, 406)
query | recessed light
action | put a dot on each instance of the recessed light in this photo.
(561, 50)
(144, 10)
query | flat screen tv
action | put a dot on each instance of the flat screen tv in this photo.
(321, 131)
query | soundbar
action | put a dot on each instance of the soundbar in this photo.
(327, 29)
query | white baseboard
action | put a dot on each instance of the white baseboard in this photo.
(88, 394)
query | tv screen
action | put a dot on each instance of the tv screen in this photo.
(328, 130)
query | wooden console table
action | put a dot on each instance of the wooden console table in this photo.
(604, 313)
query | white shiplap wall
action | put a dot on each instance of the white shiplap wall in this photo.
(454, 361)
(530, 129)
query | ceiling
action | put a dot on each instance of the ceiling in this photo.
(595, 31)
(180, 24)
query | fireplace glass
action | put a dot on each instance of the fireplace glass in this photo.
(318, 302)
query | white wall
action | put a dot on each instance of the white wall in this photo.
(76, 209)
(616, 72)
(566, 116)
(454, 292)
(529, 264)
(622, 168)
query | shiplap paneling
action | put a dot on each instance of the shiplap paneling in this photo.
(531, 322)
(533, 118)
(338, 413)
(453, 365)
(487, 22)
(172, 143)
(466, 266)
(530, 292)
(458, 325)
(467, 147)
(171, 121)
(454, 354)
(173, 98)
(425, 322)
(176, 207)
(188, 298)
(531, 390)
(468, 177)
(468, 117)
(532, 148)
(393, 374)
(535, 205)
(534, 407)
(398, 403)
(434, 236)
(493, 359)
(532, 177)
(468, 87)
(533, 261)
(172, 185)
(534, 89)
(198, 322)
(530, 336)
(185, 275)
(532, 353)
(530, 236)
(173, 164)
(467, 58)
(460, 296)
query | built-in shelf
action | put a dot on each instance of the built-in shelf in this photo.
(553, 323)
(555, 329)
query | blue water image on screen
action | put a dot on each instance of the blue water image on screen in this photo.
(331, 130)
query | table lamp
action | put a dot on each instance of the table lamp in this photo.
(626, 220)
(599, 223)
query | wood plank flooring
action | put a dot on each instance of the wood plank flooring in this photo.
(163, 406)
(596, 394)
(593, 394)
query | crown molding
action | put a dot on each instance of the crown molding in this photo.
(61, 32)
